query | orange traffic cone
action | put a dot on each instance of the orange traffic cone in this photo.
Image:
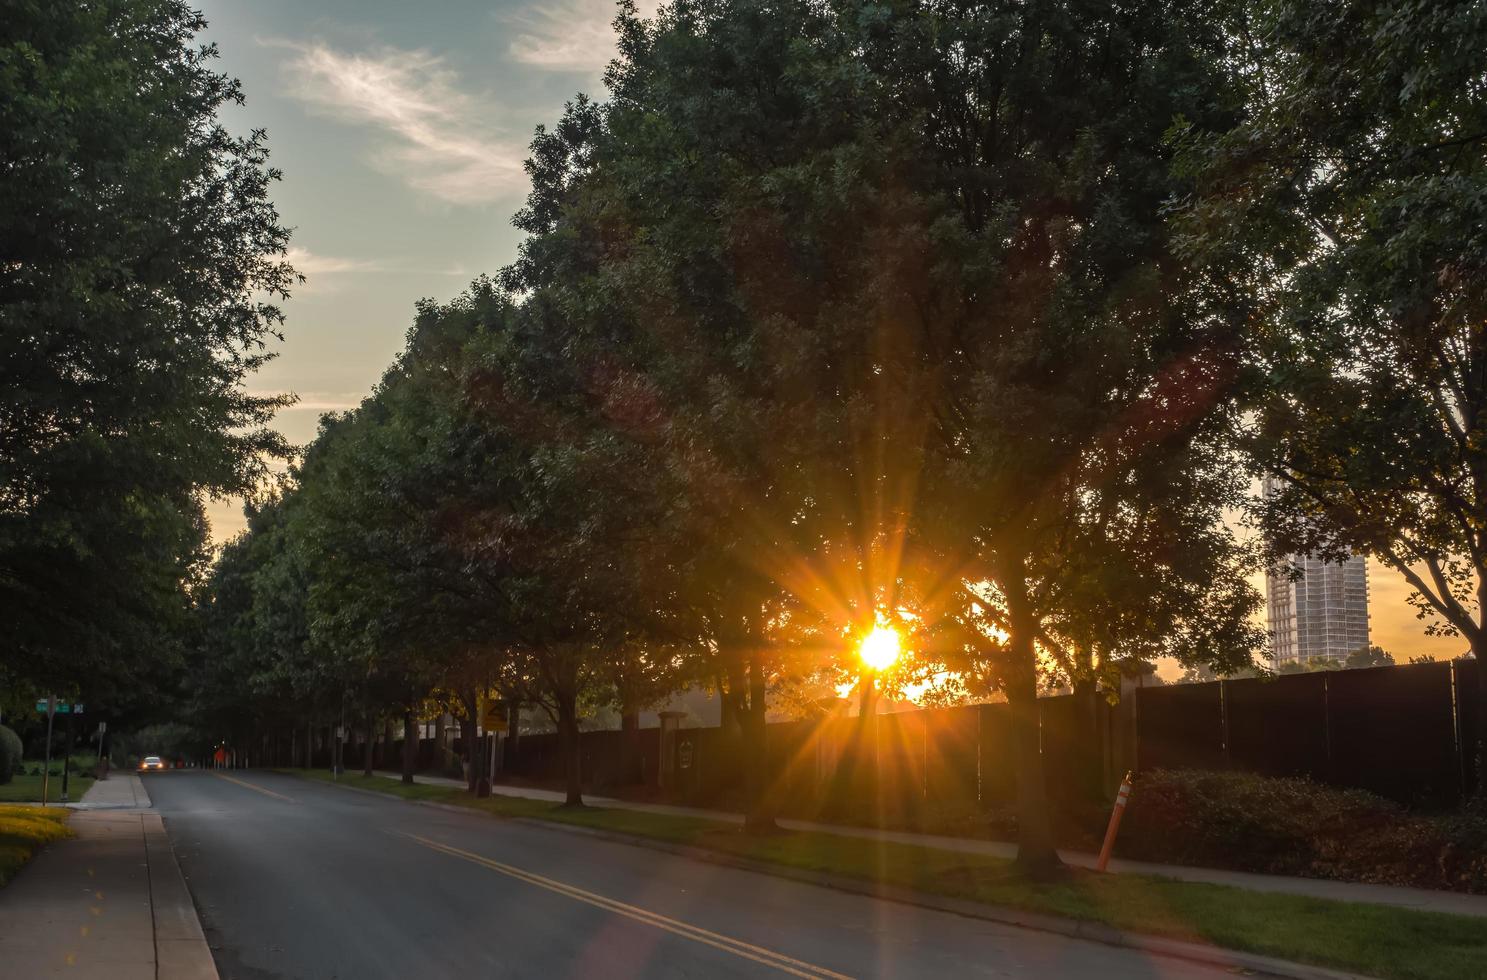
(1116, 813)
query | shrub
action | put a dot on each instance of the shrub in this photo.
(1297, 827)
(10, 754)
(451, 765)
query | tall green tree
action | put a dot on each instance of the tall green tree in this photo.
(1343, 224)
(140, 259)
(910, 286)
(1073, 398)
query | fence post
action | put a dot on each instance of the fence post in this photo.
(1327, 728)
(980, 747)
(1224, 723)
(1126, 755)
(666, 764)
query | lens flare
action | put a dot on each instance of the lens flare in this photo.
(880, 648)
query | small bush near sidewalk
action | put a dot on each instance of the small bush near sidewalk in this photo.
(25, 828)
(10, 754)
(1298, 827)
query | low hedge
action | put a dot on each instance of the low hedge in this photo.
(1268, 825)
(10, 754)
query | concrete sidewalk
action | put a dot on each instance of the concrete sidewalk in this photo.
(109, 904)
(1423, 899)
(122, 790)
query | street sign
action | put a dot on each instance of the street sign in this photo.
(102, 727)
(63, 708)
(494, 718)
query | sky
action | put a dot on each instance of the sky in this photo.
(401, 129)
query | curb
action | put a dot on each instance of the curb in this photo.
(181, 950)
(1072, 928)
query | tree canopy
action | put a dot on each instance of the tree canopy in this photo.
(140, 261)
(973, 320)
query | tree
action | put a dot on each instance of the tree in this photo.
(689, 347)
(905, 250)
(1369, 656)
(140, 258)
(1075, 399)
(1341, 222)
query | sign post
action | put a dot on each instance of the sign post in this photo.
(67, 757)
(46, 767)
(102, 766)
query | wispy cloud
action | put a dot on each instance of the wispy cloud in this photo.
(312, 264)
(316, 401)
(567, 35)
(324, 402)
(321, 271)
(439, 139)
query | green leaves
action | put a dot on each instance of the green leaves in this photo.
(1341, 219)
(139, 260)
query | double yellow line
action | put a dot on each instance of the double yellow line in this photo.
(727, 944)
(256, 788)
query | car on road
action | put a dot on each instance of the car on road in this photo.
(151, 763)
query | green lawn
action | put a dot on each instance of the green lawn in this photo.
(25, 828)
(1369, 939)
(27, 788)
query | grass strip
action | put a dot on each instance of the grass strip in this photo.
(27, 788)
(25, 828)
(1381, 941)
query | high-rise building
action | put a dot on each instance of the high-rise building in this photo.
(1321, 615)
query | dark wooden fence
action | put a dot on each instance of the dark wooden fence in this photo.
(1406, 733)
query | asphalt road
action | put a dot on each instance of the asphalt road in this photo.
(298, 879)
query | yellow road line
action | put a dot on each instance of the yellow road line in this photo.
(737, 947)
(259, 789)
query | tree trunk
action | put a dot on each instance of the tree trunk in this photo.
(471, 702)
(758, 815)
(1479, 651)
(728, 712)
(369, 750)
(410, 746)
(513, 734)
(1036, 855)
(1088, 745)
(630, 747)
(572, 750)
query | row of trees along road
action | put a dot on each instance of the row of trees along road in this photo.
(828, 315)
(140, 263)
(975, 319)
(959, 316)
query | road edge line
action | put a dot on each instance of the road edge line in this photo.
(1071, 928)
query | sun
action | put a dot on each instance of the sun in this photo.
(879, 648)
